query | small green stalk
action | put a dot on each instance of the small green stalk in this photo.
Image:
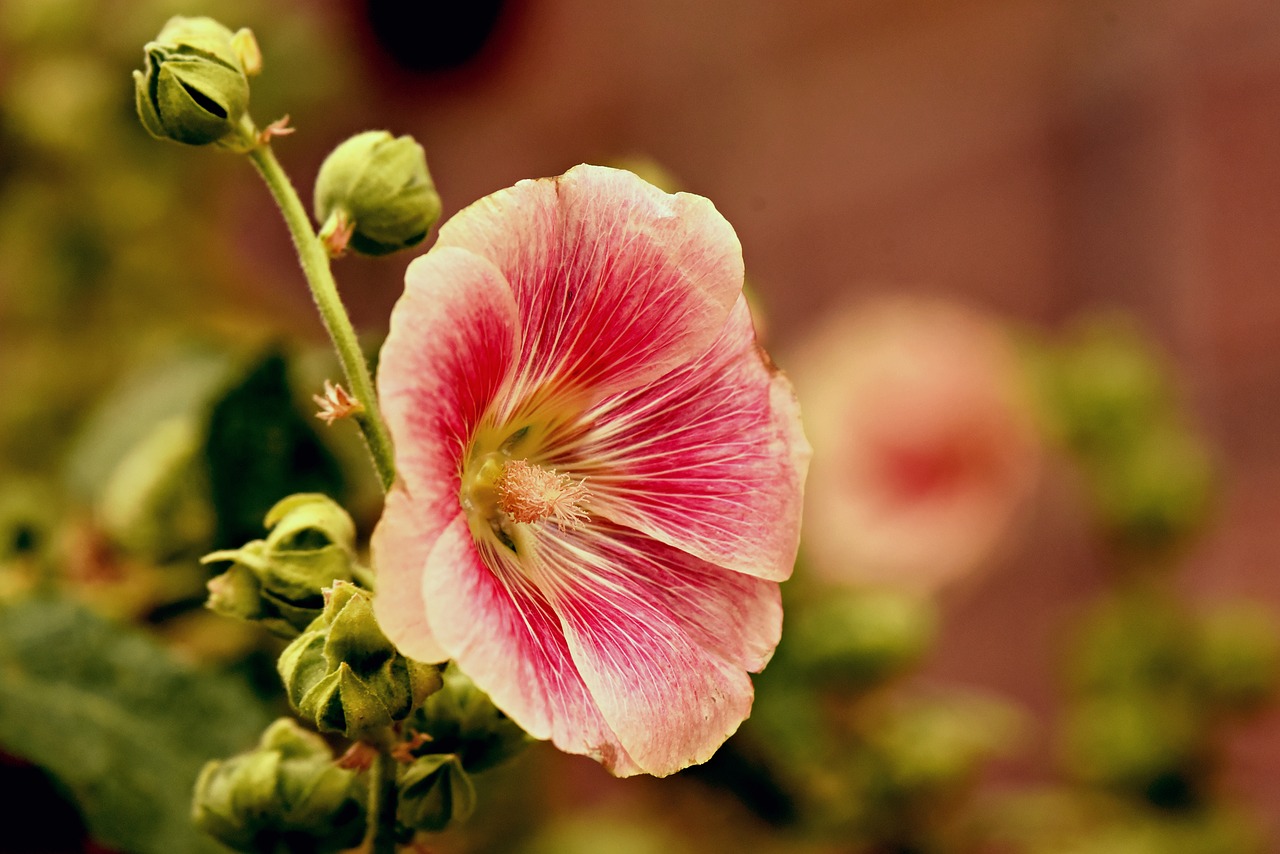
(315, 266)
(380, 838)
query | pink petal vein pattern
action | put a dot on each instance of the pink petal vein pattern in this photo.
(600, 473)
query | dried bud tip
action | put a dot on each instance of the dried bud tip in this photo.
(336, 403)
(359, 757)
(280, 127)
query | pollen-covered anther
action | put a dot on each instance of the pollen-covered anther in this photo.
(531, 493)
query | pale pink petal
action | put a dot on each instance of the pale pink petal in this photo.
(502, 633)
(710, 458)
(617, 281)
(452, 338)
(662, 639)
(400, 549)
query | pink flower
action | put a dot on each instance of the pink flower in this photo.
(926, 443)
(599, 472)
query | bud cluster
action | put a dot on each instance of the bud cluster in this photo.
(343, 675)
(287, 794)
(278, 581)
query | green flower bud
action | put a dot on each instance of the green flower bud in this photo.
(934, 745)
(1239, 655)
(860, 639)
(195, 88)
(462, 720)
(286, 795)
(1147, 743)
(1156, 493)
(280, 580)
(374, 194)
(343, 675)
(434, 791)
(1107, 385)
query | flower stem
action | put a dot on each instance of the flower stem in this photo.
(380, 838)
(315, 266)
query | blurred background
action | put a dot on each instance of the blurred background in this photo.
(1020, 257)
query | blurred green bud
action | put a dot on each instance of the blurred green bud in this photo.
(279, 581)
(1150, 744)
(1158, 491)
(860, 639)
(1239, 655)
(434, 791)
(1107, 384)
(1140, 641)
(374, 194)
(936, 745)
(286, 795)
(195, 87)
(343, 675)
(462, 720)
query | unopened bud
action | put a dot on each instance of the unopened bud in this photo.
(434, 791)
(343, 675)
(374, 194)
(279, 581)
(286, 794)
(195, 88)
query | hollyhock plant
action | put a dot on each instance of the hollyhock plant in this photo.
(599, 473)
(928, 442)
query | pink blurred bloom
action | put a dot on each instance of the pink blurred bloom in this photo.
(599, 472)
(925, 443)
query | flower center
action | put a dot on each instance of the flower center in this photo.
(531, 493)
(499, 494)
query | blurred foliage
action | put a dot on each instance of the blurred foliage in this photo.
(1150, 680)
(260, 449)
(120, 723)
(1110, 398)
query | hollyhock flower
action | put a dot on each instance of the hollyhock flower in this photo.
(927, 443)
(599, 473)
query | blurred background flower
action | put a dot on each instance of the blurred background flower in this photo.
(924, 433)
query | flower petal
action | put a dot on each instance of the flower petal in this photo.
(452, 339)
(710, 458)
(617, 281)
(502, 633)
(662, 640)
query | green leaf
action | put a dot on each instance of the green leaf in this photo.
(182, 385)
(117, 720)
(261, 449)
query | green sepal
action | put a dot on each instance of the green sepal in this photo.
(461, 719)
(195, 88)
(279, 581)
(287, 794)
(434, 791)
(343, 675)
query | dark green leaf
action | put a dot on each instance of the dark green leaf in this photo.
(260, 448)
(117, 720)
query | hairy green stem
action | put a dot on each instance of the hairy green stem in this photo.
(380, 837)
(315, 266)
